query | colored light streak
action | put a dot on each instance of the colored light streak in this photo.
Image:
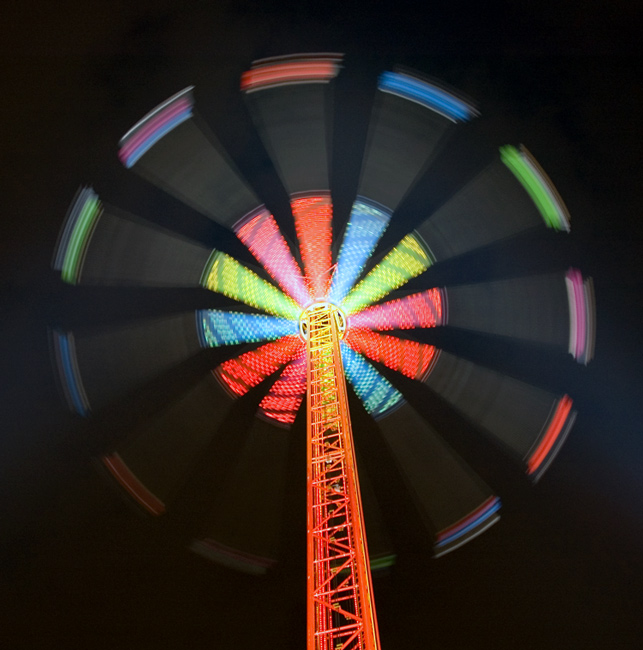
(426, 94)
(313, 215)
(417, 310)
(407, 260)
(537, 185)
(225, 275)
(156, 124)
(365, 227)
(122, 473)
(217, 328)
(286, 395)
(72, 385)
(553, 437)
(260, 233)
(232, 558)
(76, 234)
(468, 527)
(301, 69)
(411, 358)
(239, 375)
(382, 562)
(377, 393)
(580, 295)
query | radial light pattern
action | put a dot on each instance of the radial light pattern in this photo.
(406, 136)
(325, 281)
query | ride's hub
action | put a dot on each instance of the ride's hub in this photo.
(321, 306)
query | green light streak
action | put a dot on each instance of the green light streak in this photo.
(407, 260)
(536, 185)
(225, 275)
(79, 239)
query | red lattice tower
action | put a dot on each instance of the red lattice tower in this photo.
(341, 611)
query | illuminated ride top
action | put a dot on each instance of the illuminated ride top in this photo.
(316, 328)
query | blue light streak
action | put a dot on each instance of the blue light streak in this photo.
(427, 95)
(365, 227)
(377, 393)
(217, 328)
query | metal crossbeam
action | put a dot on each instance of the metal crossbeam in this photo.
(341, 611)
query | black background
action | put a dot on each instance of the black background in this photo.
(79, 567)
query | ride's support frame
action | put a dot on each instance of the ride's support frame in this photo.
(341, 610)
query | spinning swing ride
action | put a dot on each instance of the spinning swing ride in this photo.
(308, 332)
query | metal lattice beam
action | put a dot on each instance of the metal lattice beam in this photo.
(341, 611)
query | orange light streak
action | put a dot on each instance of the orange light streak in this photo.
(551, 435)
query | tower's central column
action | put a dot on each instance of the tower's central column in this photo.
(341, 611)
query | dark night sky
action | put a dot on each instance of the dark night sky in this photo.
(79, 567)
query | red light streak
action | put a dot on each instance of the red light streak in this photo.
(239, 375)
(313, 215)
(123, 474)
(417, 310)
(551, 435)
(285, 396)
(411, 358)
(290, 72)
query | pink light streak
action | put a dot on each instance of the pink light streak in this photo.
(152, 126)
(423, 309)
(260, 233)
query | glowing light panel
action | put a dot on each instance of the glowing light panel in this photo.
(422, 309)
(80, 222)
(536, 183)
(426, 94)
(407, 260)
(365, 227)
(377, 393)
(286, 395)
(411, 358)
(225, 275)
(156, 124)
(217, 328)
(260, 233)
(313, 215)
(239, 375)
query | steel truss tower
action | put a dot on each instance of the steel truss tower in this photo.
(341, 611)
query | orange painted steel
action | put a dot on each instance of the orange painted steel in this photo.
(341, 610)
